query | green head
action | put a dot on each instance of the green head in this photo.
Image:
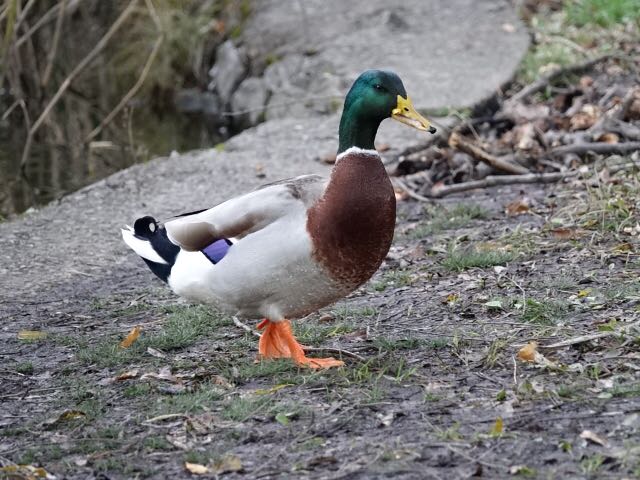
(374, 96)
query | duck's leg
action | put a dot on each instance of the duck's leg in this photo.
(277, 341)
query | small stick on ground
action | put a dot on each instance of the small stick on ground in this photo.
(411, 193)
(337, 351)
(496, 180)
(459, 143)
(597, 147)
(594, 336)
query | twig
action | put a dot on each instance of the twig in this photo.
(131, 92)
(244, 326)
(594, 336)
(496, 180)
(74, 73)
(54, 47)
(459, 143)
(541, 83)
(47, 17)
(337, 351)
(408, 191)
(597, 147)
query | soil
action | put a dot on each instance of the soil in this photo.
(440, 392)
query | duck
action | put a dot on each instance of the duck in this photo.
(294, 246)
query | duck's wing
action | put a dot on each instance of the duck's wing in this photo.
(245, 214)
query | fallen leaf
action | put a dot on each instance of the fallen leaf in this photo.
(156, 353)
(493, 304)
(196, 468)
(228, 463)
(65, 416)
(528, 352)
(130, 338)
(31, 335)
(609, 138)
(563, 233)
(127, 375)
(164, 374)
(593, 437)
(282, 419)
(452, 298)
(517, 207)
(25, 471)
(497, 428)
(584, 293)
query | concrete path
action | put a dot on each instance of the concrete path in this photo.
(449, 52)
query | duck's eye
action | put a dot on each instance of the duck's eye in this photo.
(377, 86)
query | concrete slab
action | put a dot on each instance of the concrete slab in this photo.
(452, 52)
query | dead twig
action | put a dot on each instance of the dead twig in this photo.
(497, 180)
(54, 47)
(543, 82)
(244, 326)
(625, 330)
(459, 143)
(123, 102)
(416, 196)
(74, 73)
(597, 147)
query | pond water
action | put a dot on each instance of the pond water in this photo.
(54, 170)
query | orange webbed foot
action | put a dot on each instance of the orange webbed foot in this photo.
(277, 341)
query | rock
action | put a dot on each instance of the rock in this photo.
(229, 70)
(192, 100)
(251, 96)
(302, 86)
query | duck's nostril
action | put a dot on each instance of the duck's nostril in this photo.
(432, 129)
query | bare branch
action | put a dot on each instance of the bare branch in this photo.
(130, 93)
(54, 47)
(76, 71)
(459, 143)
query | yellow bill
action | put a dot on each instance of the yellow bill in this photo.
(407, 114)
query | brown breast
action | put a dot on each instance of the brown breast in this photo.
(352, 224)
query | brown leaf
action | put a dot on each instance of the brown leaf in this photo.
(24, 471)
(518, 207)
(196, 468)
(585, 118)
(609, 138)
(131, 337)
(528, 352)
(127, 375)
(564, 233)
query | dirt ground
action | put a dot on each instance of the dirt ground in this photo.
(438, 392)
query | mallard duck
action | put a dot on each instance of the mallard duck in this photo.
(294, 246)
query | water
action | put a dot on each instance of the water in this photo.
(58, 168)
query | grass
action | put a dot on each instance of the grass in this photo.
(544, 312)
(442, 219)
(183, 328)
(604, 13)
(393, 278)
(241, 409)
(25, 368)
(391, 345)
(191, 402)
(581, 28)
(459, 259)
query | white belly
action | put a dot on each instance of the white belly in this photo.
(268, 274)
